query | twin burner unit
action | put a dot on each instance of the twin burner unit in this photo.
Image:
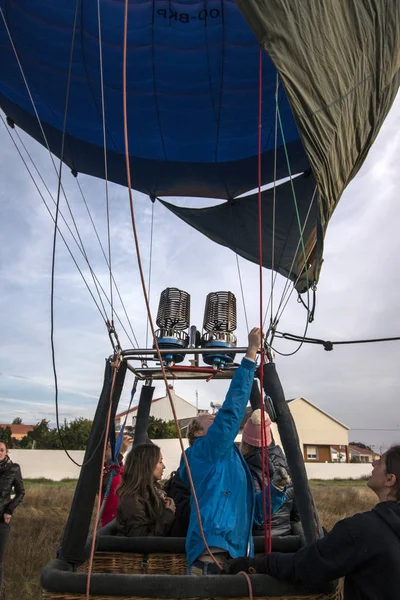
(175, 333)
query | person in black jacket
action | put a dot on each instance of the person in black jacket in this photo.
(176, 489)
(365, 548)
(286, 520)
(10, 482)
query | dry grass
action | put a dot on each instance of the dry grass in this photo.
(37, 528)
(38, 525)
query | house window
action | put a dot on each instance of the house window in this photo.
(312, 452)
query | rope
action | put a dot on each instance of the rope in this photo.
(44, 135)
(248, 581)
(103, 116)
(115, 366)
(136, 240)
(267, 526)
(150, 265)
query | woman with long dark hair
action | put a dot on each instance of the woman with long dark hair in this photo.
(144, 509)
(10, 483)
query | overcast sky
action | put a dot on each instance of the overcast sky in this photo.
(358, 295)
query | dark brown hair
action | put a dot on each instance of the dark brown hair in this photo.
(138, 478)
(392, 462)
(5, 443)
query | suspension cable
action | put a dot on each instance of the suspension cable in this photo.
(242, 292)
(96, 521)
(103, 115)
(113, 278)
(150, 265)
(52, 216)
(273, 279)
(287, 283)
(264, 455)
(94, 276)
(142, 279)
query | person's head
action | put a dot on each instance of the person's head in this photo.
(251, 435)
(385, 476)
(108, 453)
(3, 450)
(143, 469)
(199, 426)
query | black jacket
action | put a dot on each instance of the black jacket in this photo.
(176, 489)
(133, 519)
(10, 480)
(288, 514)
(364, 548)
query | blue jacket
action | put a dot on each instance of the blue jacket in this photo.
(222, 480)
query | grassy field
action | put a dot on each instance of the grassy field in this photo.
(38, 524)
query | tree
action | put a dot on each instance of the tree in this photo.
(17, 421)
(74, 435)
(361, 445)
(159, 429)
(5, 436)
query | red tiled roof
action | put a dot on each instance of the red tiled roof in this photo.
(18, 429)
(363, 450)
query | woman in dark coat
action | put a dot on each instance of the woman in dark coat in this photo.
(364, 549)
(144, 509)
(10, 483)
(286, 520)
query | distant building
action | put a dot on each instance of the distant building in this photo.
(18, 431)
(318, 432)
(160, 409)
(362, 455)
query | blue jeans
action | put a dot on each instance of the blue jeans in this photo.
(207, 568)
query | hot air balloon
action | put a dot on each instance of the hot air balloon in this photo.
(221, 98)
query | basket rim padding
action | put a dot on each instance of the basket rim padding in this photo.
(58, 577)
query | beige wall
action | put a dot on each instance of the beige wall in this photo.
(314, 427)
(54, 464)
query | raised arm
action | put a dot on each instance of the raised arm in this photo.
(221, 435)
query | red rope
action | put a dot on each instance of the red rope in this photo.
(92, 549)
(264, 445)
(146, 299)
(248, 580)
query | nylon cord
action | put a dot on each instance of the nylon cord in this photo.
(136, 240)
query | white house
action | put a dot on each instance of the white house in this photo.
(318, 432)
(160, 409)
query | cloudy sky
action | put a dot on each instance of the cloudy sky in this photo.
(358, 294)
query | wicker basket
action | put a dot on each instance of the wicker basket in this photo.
(130, 563)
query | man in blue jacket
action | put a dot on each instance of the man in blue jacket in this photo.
(221, 478)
